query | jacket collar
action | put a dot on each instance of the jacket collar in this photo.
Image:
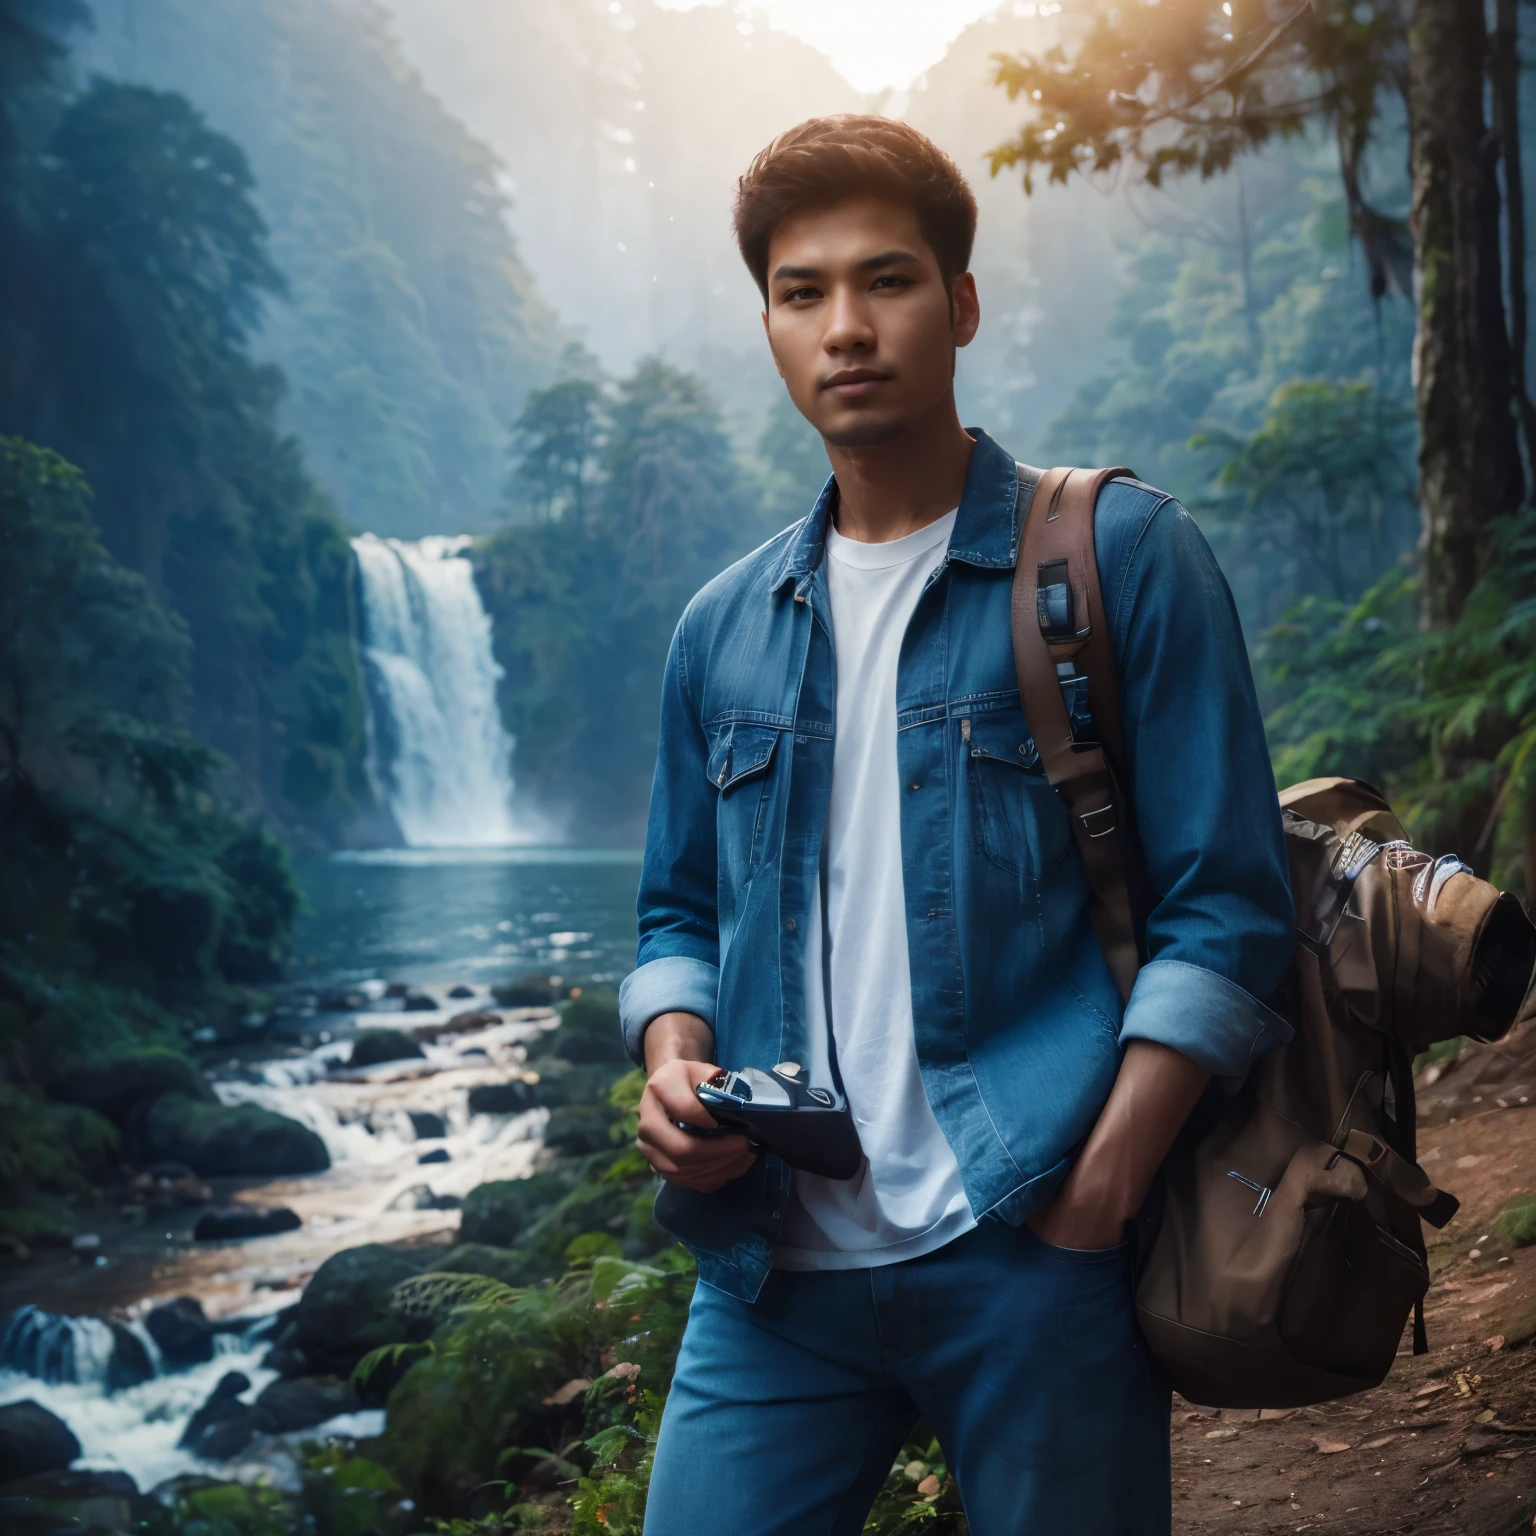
(986, 530)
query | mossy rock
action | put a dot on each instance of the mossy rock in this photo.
(588, 1032)
(1516, 1226)
(504, 1264)
(225, 1139)
(113, 1085)
(370, 1047)
(348, 1308)
(578, 1130)
(589, 1208)
(499, 1212)
(574, 1085)
(525, 992)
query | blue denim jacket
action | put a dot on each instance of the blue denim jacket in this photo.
(1018, 1022)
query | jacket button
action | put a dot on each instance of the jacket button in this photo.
(1023, 749)
(789, 923)
(914, 786)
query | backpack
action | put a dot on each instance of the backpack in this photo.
(1281, 1254)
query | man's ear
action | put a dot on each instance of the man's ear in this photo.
(771, 352)
(965, 309)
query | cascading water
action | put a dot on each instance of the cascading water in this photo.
(438, 754)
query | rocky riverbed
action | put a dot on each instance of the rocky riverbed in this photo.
(165, 1321)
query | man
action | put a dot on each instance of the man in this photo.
(850, 832)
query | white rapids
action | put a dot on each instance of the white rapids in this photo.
(377, 1123)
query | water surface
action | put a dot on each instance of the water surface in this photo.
(440, 914)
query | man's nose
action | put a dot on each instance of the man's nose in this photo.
(849, 328)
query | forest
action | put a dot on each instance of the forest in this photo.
(264, 288)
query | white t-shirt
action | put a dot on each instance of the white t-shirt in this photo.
(908, 1199)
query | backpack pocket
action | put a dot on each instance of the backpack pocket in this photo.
(1349, 1292)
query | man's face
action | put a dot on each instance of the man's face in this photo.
(861, 324)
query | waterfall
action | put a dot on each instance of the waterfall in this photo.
(438, 754)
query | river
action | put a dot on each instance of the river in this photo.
(439, 921)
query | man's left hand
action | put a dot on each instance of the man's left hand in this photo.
(1153, 1094)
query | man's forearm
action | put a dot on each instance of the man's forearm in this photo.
(677, 1037)
(1153, 1095)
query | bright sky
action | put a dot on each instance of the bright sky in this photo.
(874, 43)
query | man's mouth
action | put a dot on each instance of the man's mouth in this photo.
(854, 383)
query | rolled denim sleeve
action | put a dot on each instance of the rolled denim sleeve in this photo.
(1221, 929)
(679, 958)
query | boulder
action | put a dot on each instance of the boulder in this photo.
(130, 1363)
(285, 1360)
(461, 991)
(181, 1330)
(498, 1212)
(588, 1032)
(577, 1130)
(224, 1425)
(428, 1127)
(373, 1046)
(464, 1023)
(574, 1085)
(239, 1139)
(347, 1308)
(33, 1440)
(525, 992)
(502, 1098)
(436, 1155)
(419, 1002)
(113, 1085)
(396, 988)
(241, 1221)
(303, 1402)
(504, 1264)
(70, 1486)
(341, 1001)
(71, 1500)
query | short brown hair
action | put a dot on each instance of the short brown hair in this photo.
(827, 159)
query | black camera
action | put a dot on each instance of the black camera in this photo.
(810, 1128)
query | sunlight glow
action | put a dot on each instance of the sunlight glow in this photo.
(874, 44)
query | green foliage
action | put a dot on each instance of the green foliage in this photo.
(1516, 1226)
(792, 464)
(584, 604)
(1260, 388)
(139, 269)
(1313, 486)
(1189, 87)
(919, 1498)
(230, 1509)
(49, 1154)
(1444, 721)
(133, 884)
(413, 331)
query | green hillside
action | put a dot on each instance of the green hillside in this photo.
(411, 329)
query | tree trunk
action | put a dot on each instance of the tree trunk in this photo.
(1469, 455)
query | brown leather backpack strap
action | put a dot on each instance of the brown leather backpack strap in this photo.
(1060, 632)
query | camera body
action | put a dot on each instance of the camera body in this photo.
(810, 1128)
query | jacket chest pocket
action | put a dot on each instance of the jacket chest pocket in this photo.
(1018, 820)
(740, 757)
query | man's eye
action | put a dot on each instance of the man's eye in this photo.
(890, 280)
(795, 295)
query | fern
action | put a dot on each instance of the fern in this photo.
(388, 1357)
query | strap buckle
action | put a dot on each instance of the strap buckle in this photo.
(1092, 819)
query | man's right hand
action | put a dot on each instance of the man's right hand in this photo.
(677, 1051)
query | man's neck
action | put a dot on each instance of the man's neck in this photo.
(894, 488)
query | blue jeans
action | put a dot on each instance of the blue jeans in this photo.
(785, 1414)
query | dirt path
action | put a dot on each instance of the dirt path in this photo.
(1446, 1446)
